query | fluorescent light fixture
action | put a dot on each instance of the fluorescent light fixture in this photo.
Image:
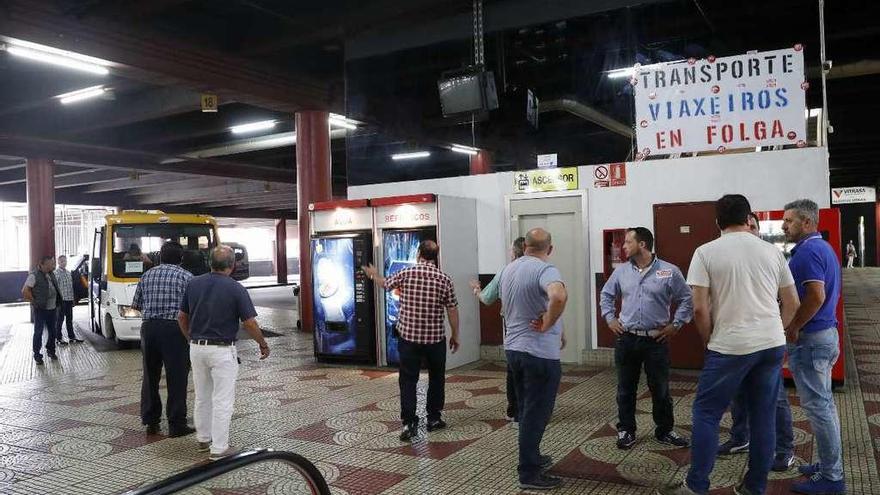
(621, 73)
(253, 127)
(81, 94)
(815, 112)
(342, 123)
(465, 150)
(411, 156)
(62, 58)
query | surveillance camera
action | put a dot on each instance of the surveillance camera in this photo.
(827, 65)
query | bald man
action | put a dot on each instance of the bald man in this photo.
(533, 298)
(426, 293)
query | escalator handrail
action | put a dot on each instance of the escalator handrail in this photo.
(204, 472)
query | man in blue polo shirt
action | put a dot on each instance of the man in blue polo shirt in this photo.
(813, 343)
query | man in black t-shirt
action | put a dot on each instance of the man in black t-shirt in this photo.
(212, 308)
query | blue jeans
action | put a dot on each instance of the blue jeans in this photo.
(44, 319)
(810, 361)
(723, 376)
(536, 381)
(739, 432)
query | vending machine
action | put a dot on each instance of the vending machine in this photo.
(770, 223)
(401, 224)
(341, 243)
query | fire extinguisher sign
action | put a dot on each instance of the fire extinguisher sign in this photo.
(611, 175)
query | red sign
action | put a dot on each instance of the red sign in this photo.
(612, 175)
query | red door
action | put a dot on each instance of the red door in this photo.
(679, 229)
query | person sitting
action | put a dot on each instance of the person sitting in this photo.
(194, 263)
(134, 254)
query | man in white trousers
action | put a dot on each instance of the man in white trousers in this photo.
(210, 312)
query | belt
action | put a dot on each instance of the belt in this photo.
(640, 333)
(211, 342)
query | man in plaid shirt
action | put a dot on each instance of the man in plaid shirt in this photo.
(158, 297)
(425, 294)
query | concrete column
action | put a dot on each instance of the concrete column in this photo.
(481, 163)
(41, 208)
(281, 250)
(312, 184)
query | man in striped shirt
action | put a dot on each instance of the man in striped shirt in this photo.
(425, 294)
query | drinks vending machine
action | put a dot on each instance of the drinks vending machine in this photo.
(401, 223)
(342, 242)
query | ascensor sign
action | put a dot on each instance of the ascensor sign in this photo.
(716, 104)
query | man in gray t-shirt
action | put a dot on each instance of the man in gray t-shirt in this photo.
(533, 298)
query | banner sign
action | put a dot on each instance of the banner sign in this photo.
(846, 195)
(558, 179)
(716, 104)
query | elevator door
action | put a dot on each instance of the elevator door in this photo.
(563, 218)
(679, 229)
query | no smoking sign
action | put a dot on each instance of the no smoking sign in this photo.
(612, 175)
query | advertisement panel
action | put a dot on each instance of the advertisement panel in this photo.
(334, 299)
(847, 195)
(715, 104)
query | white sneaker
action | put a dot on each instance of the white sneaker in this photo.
(226, 453)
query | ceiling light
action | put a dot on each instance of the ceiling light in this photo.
(54, 56)
(81, 94)
(621, 73)
(253, 127)
(341, 123)
(411, 156)
(466, 150)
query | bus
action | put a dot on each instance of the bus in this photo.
(126, 247)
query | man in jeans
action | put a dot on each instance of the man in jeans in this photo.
(426, 293)
(649, 287)
(65, 309)
(41, 290)
(739, 414)
(211, 311)
(533, 297)
(736, 280)
(813, 343)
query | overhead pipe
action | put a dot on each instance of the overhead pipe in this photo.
(587, 113)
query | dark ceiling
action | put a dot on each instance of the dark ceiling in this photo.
(147, 144)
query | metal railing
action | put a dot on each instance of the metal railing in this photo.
(191, 477)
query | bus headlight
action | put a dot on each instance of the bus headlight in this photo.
(129, 312)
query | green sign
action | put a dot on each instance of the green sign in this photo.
(556, 179)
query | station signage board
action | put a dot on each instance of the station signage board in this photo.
(342, 219)
(847, 195)
(716, 104)
(407, 215)
(557, 179)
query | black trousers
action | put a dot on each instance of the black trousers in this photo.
(411, 356)
(631, 352)
(163, 344)
(65, 315)
(44, 319)
(512, 404)
(536, 381)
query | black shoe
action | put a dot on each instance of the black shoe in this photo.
(60, 342)
(438, 424)
(625, 439)
(53, 356)
(673, 438)
(409, 432)
(153, 429)
(541, 482)
(546, 462)
(38, 359)
(180, 432)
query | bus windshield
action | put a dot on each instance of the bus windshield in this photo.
(136, 246)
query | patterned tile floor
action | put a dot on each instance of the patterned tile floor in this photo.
(72, 427)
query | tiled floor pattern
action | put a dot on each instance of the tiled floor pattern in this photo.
(73, 426)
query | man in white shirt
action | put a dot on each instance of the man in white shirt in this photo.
(736, 280)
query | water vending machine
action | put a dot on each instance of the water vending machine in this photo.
(342, 242)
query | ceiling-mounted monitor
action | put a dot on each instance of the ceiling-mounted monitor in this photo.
(467, 91)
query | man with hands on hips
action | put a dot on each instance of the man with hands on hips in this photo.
(648, 288)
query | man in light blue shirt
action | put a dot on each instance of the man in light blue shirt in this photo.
(533, 297)
(648, 288)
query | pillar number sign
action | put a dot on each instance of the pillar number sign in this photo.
(209, 103)
(716, 104)
(558, 179)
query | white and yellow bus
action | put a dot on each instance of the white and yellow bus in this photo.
(127, 246)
